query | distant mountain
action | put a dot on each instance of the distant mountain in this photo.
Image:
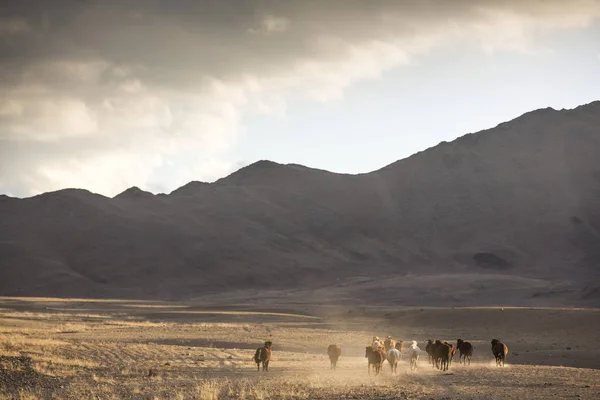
(520, 201)
(189, 189)
(133, 193)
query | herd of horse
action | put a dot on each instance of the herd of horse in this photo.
(440, 354)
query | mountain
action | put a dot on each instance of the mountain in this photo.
(509, 214)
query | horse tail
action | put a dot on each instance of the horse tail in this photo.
(257, 355)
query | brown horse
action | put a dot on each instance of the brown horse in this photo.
(400, 345)
(263, 355)
(334, 351)
(389, 344)
(375, 358)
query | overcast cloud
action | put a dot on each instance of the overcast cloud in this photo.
(100, 94)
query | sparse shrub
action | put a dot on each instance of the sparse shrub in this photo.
(209, 389)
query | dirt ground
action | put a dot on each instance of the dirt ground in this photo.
(109, 349)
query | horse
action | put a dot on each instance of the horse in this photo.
(443, 353)
(334, 351)
(393, 356)
(400, 345)
(452, 351)
(376, 358)
(414, 353)
(430, 349)
(389, 344)
(263, 355)
(500, 351)
(466, 351)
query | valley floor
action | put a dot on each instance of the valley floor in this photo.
(110, 349)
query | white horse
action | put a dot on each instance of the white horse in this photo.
(413, 355)
(393, 356)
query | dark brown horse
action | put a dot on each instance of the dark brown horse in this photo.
(443, 354)
(466, 351)
(334, 352)
(430, 352)
(375, 358)
(452, 351)
(263, 355)
(500, 351)
(435, 353)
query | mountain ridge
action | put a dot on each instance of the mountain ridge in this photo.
(263, 162)
(517, 201)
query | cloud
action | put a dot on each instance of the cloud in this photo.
(270, 24)
(13, 26)
(93, 94)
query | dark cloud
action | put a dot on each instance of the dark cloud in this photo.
(81, 80)
(178, 42)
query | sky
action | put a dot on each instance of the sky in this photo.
(105, 95)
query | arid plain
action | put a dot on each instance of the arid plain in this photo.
(119, 349)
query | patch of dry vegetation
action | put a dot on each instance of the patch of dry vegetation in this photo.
(120, 354)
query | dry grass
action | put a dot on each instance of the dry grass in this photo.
(109, 351)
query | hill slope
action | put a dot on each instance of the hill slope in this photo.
(520, 200)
